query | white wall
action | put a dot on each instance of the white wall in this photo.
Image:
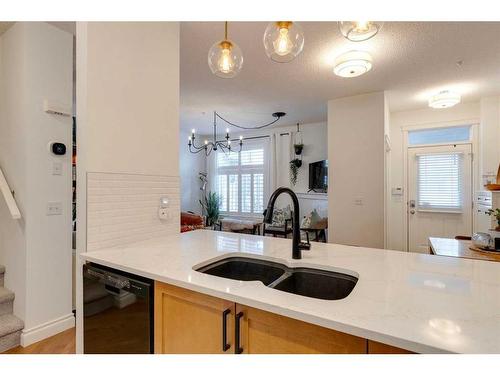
(13, 163)
(490, 135)
(356, 160)
(127, 109)
(37, 66)
(465, 113)
(190, 165)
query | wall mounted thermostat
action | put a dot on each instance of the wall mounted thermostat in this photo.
(57, 148)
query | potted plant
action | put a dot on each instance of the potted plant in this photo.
(295, 164)
(210, 205)
(496, 214)
(298, 147)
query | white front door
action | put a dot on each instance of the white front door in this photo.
(440, 194)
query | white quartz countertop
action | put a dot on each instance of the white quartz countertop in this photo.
(423, 303)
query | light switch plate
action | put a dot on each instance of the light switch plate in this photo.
(54, 208)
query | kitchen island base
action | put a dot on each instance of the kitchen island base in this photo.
(188, 322)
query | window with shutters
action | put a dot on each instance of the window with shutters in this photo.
(440, 182)
(241, 179)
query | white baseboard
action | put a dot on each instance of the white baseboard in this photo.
(48, 329)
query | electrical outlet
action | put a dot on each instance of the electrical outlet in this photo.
(57, 168)
(54, 208)
(163, 214)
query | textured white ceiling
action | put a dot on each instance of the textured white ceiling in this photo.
(412, 60)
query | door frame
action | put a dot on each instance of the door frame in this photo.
(474, 142)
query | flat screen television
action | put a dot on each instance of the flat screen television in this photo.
(318, 176)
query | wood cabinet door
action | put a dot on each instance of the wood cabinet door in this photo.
(375, 347)
(262, 332)
(191, 322)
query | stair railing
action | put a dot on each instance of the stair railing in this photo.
(9, 197)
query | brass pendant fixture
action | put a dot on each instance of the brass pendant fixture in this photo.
(283, 41)
(225, 58)
(358, 31)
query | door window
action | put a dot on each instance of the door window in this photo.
(440, 182)
(439, 135)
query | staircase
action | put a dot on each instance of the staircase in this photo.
(10, 325)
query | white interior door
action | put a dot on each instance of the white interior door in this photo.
(440, 194)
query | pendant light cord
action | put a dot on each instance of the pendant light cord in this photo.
(247, 127)
(225, 30)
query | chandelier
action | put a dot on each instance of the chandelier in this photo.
(225, 144)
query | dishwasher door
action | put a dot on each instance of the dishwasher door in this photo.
(117, 312)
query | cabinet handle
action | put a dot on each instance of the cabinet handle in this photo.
(225, 345)
(237, 349)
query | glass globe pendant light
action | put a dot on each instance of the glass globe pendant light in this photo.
(283, 41)
(225, 58)
(358, 31)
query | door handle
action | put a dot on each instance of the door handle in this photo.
(412, 212)
(237, 349)
(225, 345)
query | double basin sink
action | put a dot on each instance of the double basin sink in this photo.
(309, 282)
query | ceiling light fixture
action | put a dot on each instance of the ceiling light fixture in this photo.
(225, 58)
(352, 64)
(445, 99)
(225, 144)
(358, 31)
(283, 41)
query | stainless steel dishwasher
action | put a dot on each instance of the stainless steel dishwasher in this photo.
(117, 312)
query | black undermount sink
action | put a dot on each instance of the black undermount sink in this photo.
(317, 284)
(245, 269)
(307, 282)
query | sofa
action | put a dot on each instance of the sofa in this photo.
(191, 221)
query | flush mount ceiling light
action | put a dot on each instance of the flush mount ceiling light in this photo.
(445, 99)
(225, 58)
(283, 41)
(352, 64)
(358, 31)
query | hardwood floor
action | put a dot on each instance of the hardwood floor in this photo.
(62, 343)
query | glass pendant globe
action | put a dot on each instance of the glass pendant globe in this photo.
(283, 41)
(225, 59)
(358, 31)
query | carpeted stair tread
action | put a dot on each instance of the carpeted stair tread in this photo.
(6, 295)
(9, 324)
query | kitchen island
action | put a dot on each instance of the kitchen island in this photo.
(417, 302)
(451, 247)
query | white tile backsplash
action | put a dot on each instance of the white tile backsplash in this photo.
(123, 208)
